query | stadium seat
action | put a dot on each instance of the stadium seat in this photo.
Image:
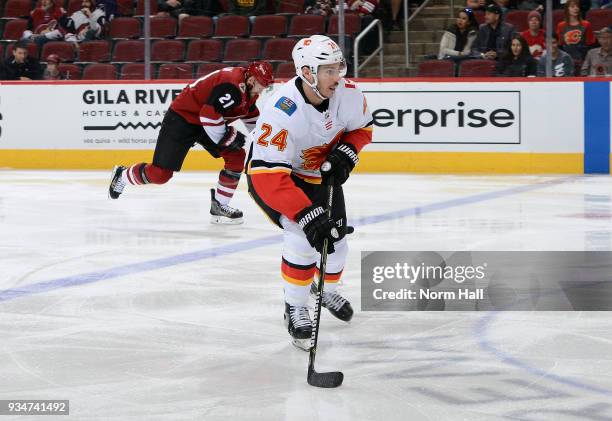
(128, 51)
(204, 50)
(436, 68)
(1, 51)
(14, 29)
(99, 71)
(599, 18)
(65, 50)
(17, 8)
(285, 70)
(352, 24)
(558, 16)
(206, 68)
(477, 68)
(73, 6)
(196, 27)
(518, 19)
(132, 71)
(278, 49)
(175, 71)
(269, 26)
(94, 51)
(72, 71)
(242, 50)
(125, 7)
(140, 7)
(306, 25)
(32, 50)
(163, 27)
(125, 28)
(291, 7)
(230, 26)
(168, 50)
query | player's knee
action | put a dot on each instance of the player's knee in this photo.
(157, 175)
(341, 250)
(297, 249)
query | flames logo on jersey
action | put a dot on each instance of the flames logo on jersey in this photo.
(315, 156)
(573, 37)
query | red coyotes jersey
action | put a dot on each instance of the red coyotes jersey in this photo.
(42, 19)
(217, 99)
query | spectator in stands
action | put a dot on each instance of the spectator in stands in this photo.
(476, 4)
(247, 7)
(575, 34)
(86, 24)
(362, 7)
(43, 23)
(175, 8)
(517, 61)
(457, 41)
(494, 36)
(52, 72)
(20, 66)
(319, 7)
(598, 61)
(562, 63)
(535, 34)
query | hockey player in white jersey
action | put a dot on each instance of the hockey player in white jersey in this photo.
(315, 117)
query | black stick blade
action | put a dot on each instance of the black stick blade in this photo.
(327, 380)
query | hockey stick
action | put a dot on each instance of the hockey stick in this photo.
(332, 378)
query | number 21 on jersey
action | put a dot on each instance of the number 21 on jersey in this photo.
(279, 140)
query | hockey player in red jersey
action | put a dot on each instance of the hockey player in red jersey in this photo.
(317, 116)
(201, 114)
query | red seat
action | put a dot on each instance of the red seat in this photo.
(65, 50)
(32, 49)
(94, 51)
(129, 50)
(306, 25)
(436, 68)
(291, 6)
(73, 6)
(17, 8)
(285, 70)
(133, 71)
(204, 50)
(175, 71)
(206, 68)
(196, 27)
(124, 28)
(269, 26)
(278, 49)
(99, 72)
(1, 51)
(168, 50)
(72, 71)
(352, 24)
(558, 16)
(599, 18)
(140, 7)
(518, 19)
(163, 27)
(230, 26)
(477, 68)
(242, 50)
(13, 30)
(125, 7)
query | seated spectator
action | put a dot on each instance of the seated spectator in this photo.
(562, 63)
(575, 34)
(319, 7)
(52, 72)
(363, 7)
(86, 24)
(476, 4)
(247, 7)
(457, 41)
(598, 61)
(494, 36)
(517, 61)
(43, 23)
(20, 66)
(535, 34)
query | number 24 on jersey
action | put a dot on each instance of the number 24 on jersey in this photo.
(279, 140)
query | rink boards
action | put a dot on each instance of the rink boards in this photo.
(422, 126)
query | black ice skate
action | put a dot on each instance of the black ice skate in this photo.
(117, 184)
(223, 214)
(299, 325)
(337, 305)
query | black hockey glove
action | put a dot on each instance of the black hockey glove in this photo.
(317, 226)
(232, 140)
(342, 159)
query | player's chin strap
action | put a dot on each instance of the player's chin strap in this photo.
(313, 86)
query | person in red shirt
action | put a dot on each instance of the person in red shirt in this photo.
(43, 23)
(535, 34)
(575, 34)
(201, 114)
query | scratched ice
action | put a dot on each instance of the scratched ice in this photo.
(139, 309)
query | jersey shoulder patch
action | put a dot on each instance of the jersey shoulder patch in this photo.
(286, 105)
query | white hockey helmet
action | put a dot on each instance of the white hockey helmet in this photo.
(315, 51)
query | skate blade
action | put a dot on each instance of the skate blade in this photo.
(302, 344)
(111, 180)
(224, 220)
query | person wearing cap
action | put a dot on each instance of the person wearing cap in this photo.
(20, 66)
(494, 35)
(52, 72)
(534, 35)
(598, 61)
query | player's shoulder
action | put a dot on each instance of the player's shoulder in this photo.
(233, 75)
(286, 102)
(348, 90)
